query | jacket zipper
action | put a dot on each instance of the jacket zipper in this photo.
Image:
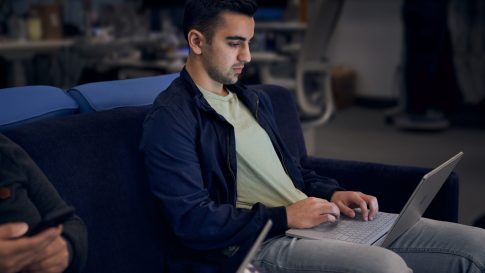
(231, 171)
(210, 109)
(282, 160)
(257, 108)
(228, 161)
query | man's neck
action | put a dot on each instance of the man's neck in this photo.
(202, 79)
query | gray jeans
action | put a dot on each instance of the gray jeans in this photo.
(430, 246)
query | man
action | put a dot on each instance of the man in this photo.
(26, 196)
(220, 170)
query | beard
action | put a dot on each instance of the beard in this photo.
(219, 76)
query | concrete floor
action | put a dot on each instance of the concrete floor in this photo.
(360, 133)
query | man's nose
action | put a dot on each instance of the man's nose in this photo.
(245, 54)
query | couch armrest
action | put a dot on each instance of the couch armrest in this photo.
(391, 184)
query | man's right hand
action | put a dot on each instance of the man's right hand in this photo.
(310, 212)
(17, 252)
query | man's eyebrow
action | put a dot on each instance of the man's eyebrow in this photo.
(237, 38)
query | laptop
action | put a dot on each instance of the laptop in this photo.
(245, 265)
(386, 227)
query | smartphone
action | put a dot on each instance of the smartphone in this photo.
(53, 219)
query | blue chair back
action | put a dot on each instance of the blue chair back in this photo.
(26, 104)
(99, 96)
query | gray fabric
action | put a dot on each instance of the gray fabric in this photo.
(429, 247)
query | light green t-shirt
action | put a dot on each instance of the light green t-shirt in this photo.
(260, 174)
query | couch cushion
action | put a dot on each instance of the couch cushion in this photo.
(99, 96)
(21, 105)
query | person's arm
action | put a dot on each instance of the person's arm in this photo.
(22, 169)
(74, 233)
(170, 147)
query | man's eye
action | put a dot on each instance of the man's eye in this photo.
(234, 44)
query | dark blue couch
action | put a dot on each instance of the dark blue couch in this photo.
(94, 162)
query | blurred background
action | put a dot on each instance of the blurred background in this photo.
(389, 81)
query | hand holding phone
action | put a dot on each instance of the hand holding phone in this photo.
(53, 219)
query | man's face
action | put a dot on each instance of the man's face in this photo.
(224, 57)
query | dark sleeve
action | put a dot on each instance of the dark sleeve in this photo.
(318, 185)
(20, 168)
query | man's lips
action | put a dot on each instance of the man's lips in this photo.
(238, 69)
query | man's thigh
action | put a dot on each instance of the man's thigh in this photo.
(286, 254)
(436, 246)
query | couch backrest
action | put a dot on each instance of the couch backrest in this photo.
(26, 104)
(106, 95)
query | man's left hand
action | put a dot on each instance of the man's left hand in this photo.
(347, 201)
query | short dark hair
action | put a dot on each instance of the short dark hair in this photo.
(203, 15)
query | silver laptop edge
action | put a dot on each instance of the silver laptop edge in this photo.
(252, 252)
(419, 201)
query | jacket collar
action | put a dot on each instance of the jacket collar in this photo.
(249, 97)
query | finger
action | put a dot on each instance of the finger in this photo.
(373, 206)
(52, 257)
(364, 210)
(58, 261)
(45, 267)
(33, 244)
(335, 209)
(51, 233)
(16, 261)
(345, 209)
(57, 246)
(23, 251)
(328, 217)
(13, 230)
(46, 270)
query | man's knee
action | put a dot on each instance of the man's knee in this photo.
(387, 261)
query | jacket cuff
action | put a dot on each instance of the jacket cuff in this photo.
(71, 267)
(325, 192)
(280, 221)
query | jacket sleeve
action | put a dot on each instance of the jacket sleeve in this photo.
(23, 170)
(170, 145)
(319, 186)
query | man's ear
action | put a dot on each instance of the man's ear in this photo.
(196, 41)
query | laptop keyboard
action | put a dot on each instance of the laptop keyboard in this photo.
(357, 230)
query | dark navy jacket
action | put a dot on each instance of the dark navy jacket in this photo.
(190, 155)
